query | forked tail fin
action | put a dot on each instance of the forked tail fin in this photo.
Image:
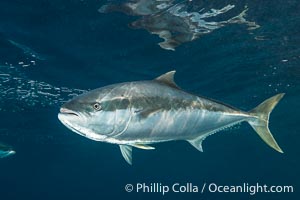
(260, 121)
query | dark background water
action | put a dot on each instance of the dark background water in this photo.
(52, 50)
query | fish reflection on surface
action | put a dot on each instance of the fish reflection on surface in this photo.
(177, 23)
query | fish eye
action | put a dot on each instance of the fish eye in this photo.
(97, 106)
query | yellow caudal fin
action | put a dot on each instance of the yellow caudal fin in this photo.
(260, 121)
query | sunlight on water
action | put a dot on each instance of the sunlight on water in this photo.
(16, 87)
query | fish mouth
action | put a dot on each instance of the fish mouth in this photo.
(66, 111)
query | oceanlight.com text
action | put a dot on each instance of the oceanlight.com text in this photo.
(250, 189)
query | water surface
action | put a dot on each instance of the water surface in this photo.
(53, 50)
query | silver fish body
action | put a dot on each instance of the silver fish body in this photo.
(155, 113)
(136, 114)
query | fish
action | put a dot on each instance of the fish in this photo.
(6, 151)
(177, 22)
(142, 113)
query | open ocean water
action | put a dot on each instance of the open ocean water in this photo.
(53, 50)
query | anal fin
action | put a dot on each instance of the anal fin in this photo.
(197, 143)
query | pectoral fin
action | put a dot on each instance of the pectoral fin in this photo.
(126, 153)
(143, 146)
(147, 112)
(197, 143)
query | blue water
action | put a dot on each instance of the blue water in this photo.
(53, 50)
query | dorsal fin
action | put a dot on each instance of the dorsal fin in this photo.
(168, 79)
